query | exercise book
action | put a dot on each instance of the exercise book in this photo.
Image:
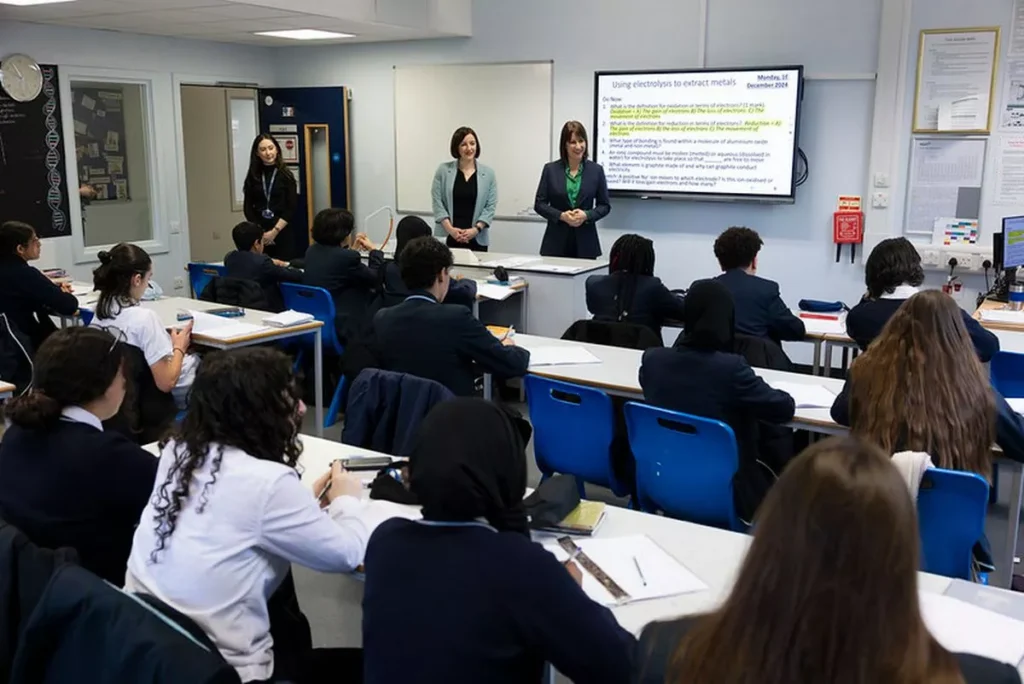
(220, 328)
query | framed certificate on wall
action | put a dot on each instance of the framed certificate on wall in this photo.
(956, 71)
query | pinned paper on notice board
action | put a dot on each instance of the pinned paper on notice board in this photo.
(849, 203)
(955, 231)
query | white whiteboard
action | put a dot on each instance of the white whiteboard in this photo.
(509, 107)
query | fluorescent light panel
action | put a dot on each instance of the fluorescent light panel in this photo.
(305, 34)
(26, 3)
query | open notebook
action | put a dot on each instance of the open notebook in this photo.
(220, 328)
(806, 396)
(965, 628)
(560, 355)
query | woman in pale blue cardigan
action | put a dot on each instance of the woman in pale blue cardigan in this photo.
(464, 194)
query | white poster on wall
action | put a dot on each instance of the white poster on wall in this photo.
(945, 180)
(1011, 113)
(1016, 47)
(1009, 171)
(954, 80)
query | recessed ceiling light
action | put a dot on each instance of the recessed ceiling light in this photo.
(26, 3)
(305, 34)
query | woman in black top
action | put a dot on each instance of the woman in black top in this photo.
(827, 592)
(27, 296)
(270, 196)
(464, 194)
(64, 481)
(631, 293)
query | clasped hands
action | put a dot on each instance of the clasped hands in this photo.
(463, 235)
(574, 217)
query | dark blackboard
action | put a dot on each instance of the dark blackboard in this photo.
(33, 185)
(100, 140)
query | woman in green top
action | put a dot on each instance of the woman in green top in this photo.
(572, 196)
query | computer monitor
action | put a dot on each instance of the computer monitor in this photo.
(1013, 242)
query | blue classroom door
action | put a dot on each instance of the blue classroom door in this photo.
(312, 127)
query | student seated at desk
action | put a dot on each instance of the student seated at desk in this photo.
(121, 280)
(393, 289)
(760, 311)
(464, 593)
(26, 295)
(631, 293)
(228, 515)
(702, 376)
(893, 274)
(440, 342)
(826, 593)
(63, 480)
(333, 263)
(248, 262)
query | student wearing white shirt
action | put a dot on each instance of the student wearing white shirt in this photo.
(229, 514)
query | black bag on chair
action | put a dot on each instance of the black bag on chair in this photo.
(552, 501)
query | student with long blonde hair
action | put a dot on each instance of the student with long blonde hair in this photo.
(827, 592)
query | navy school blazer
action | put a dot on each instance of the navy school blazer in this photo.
(760, 311)
(552, 199)
(653, 303)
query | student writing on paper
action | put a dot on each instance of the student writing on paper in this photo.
(440, 342)
(632, 293)
(703, 376)
(893, 274)
(249, 262)
(465, 592)
(26, 295)
(393, 289)
(827, 592)
(333, 263)
(464, 194)
(228, 515)
(760, 311)
(121, 280)
(64, 481)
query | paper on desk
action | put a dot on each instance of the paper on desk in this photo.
(511, 262)
(492, 291)
(961, 627)
(82, 290)
(464, 256)
(1017, 404)
(824, 326)
(221, 328)
(806, 396)
(561, 355)
(1002, 316)
(665, 576)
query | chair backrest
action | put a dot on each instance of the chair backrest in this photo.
(1007, 369)
(315, 301)
(200, 275)
(613, 334)
(684, 465)
(951, 507)
(573, 428)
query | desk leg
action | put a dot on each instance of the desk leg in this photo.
(522, 309)
(476, 308)
(816, 367)
(549, 674)
(488, 389)
(827, 370)
(318, 371)
(1004, 570)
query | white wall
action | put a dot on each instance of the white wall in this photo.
(830, 37)
(193, 61)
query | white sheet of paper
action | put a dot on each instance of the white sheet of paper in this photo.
(964, 628)
(1017, 404)
(806, 396)
(492, 291)
(512, 262)
(464, 256)
(560, 356)
(1002, 316)
(221, 328)
(663, 574)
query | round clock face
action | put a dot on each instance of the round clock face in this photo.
(21, 77)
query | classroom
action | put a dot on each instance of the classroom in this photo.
(511, 341)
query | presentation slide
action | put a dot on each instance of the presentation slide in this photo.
(704, 134)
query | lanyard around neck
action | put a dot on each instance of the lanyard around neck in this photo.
(268, 187)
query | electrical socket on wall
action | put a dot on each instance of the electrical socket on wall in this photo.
(179, 283)
(880, 200)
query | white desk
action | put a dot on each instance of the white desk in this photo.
(619, 373)
(825, 335)
(6, 390)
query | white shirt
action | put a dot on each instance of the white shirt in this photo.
(901, 292)
(142, 328)
(220, 566)
(77, 414)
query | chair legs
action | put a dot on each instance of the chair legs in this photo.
(332, 411)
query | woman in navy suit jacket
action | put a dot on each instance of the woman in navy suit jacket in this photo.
(573, 197)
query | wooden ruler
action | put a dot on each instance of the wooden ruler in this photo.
(617, 592)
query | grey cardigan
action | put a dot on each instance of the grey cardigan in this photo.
(486, 197)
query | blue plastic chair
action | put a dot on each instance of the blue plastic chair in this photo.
(573, 428)
(684, 465)
(86, 315)
(1007, 373)
(951, 508)
(200, 275)
(318, 302)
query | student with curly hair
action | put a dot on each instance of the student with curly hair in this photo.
(229, 514)
(64, 481)
(760, 311)
(893, 274)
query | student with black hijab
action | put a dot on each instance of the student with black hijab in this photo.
(702, 376)
(394, 291)
(464, 592)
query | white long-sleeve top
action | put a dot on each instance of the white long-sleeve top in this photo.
(220, 566)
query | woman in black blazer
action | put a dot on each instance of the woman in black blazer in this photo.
(827, 591)
(64, 480)
(26, 295)
(573, 197)
(270, 195)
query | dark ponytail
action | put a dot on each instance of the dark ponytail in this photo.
(14, 234)
(73, 367)
(113, 278)
(631, 256)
